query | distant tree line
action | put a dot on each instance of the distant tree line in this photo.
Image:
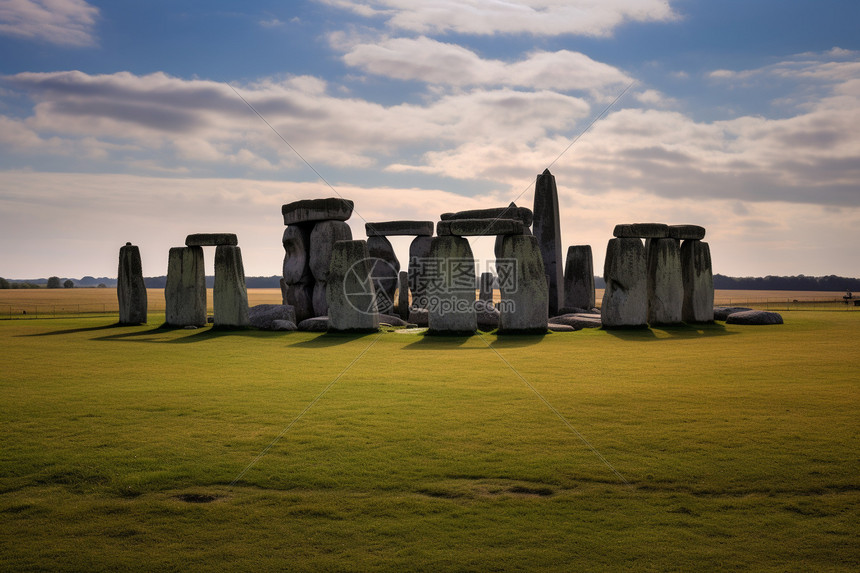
(799, 282)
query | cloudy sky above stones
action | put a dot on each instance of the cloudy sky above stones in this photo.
(119, 122)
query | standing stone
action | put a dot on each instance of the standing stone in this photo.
(698, 281)
(665, 285)
(185, 291)
(296, 241)
(301, 297)
(350, 296)
(403, 296)
(130, 289)
(547, 229)
(523, 307)
(323, 237)
(579, 278)
(419, 254)
(625, 298)
(230, 292)
(451, 287)
(320, 298)
(485, 289)
(384, 271)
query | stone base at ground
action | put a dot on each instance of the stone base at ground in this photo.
(315, 324)
(754, 317)
(553, 327)
(419, 316)
(283, 325)
(263, 316)
(578, 320)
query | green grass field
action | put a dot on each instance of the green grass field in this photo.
(722, 447)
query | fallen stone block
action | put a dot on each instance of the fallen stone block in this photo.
(554, 327)
(754, 317)
(283, 325)
(578, 320)
(315, 324)
(263, 316)
(723, 312)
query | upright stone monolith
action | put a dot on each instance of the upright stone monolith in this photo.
(301, 297)
(451, 287)
(296, 241)
(698, 282)
(350, 294)
(185, 291)
(579, 278)
(403, 295)
(385, 269)
(625, 298)
(323, 237)
(230, 293)
(523, 306)
(130, 288)
(485, 289)
(547, 229)
(665, 284)
(320, 298)
(419, 253)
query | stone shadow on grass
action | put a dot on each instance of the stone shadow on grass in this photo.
(328, 339)
(439, 342)
(674, 332)
(197, 335)
(79, 330)
(515, 340)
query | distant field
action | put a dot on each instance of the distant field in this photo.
(714, 448)
(27, 303)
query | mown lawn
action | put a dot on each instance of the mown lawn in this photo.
(723, 447)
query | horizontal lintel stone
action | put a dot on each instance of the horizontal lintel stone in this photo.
(641, 231)
(310, 210)
(522, 214)
(211, 240)
(479, 227)
(399, 228)
(687, 232)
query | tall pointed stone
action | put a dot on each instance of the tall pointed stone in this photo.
(350, 293)
(579, 278)
(523, 306)
(230, 292)
(698, 282)
(625, 298)
(185, 291)
(451, 286)
(547, 229)
(130, 289)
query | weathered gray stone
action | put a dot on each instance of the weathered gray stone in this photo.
(579, 278)
(401, 228)
(130, 288)
(578, 320)
(230, 293)
(547, 229)
(403, 295)
(523, 306)
(351, 296)
(443, 228)
(686, 232)
(264, 316)
(723, 312)
(754, 317)
(641, 231)
(419, 254)
(185, 290)
(553, 327)
(485, 289)
(625, 297)
(665, 284)
(487, 317)
(483, 227)
(698, 280)
(310, 210)
(419, 316)
(211, 240)
(320, 298)
(384, 272)
(451, 287)
(315, 324)
(323, 237)
(521, 214)
(300, 297)
(296, 241)
(283, 325)
(391, 320)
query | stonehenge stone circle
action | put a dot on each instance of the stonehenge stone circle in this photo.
(351, 297)
(323, 237)
(698, 281)
(130, 288)
(625, 297)
(547, 229)
(419, 254)
(230, 294)
(211, 240)
(451, 289)
(312, 210)
(185, 291)
(579, 278)
(523, 309)
(296, 241)
(641, 231)
(665, 284)
(385, 269)
(399, 228)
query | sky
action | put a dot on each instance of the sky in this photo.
(132, 122)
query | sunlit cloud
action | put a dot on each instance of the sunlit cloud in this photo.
(61, 22)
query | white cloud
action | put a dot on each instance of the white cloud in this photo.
(536, 17)
(427, 60)
(61, 22)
